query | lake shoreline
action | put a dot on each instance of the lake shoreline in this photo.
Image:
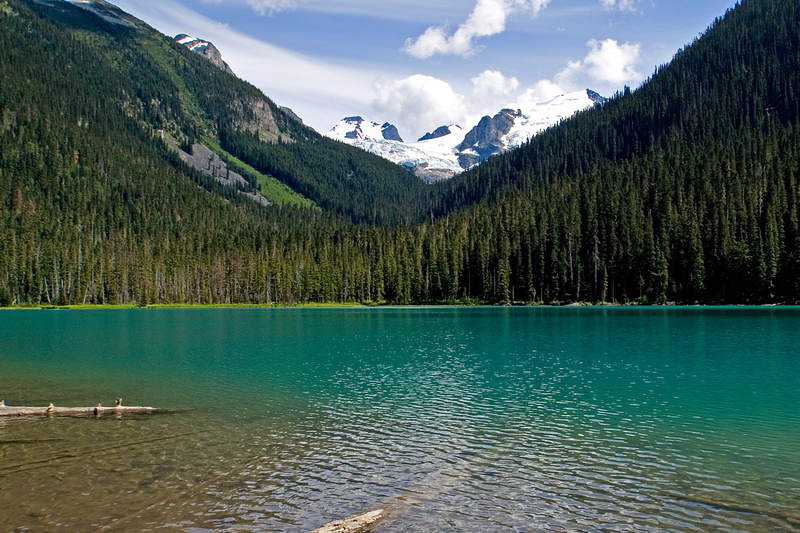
(383, 305)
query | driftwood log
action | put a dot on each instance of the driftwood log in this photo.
(52, 410)
(354, 524)
(738, 507)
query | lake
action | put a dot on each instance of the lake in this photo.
(451, 419)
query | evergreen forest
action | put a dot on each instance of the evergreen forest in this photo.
(684, 190)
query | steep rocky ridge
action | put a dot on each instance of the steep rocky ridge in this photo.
(254, 115)
(486, 138)
(441, 131)
(205, 49)
(105, 11)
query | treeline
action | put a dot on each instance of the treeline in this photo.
(356, 184)
(569, 241)
(685, 190)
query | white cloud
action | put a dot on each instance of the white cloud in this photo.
(622, 5)
(566, 77)
(607, 62)
(543, 91)
(611, 62)
(491, 83)
(490, 91)
(487, 18)
(418, 103)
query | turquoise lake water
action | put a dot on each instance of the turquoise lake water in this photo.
(451, 419)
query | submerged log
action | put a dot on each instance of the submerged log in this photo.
(738, 507)
(52, 410)
(354, 524)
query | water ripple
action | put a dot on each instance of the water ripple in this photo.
(505, 421)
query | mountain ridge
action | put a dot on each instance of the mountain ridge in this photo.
(205, 49)
(456, 149)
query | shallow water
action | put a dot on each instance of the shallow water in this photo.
(452, 419)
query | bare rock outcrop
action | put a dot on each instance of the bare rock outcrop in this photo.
(207, 162)
(205, 49)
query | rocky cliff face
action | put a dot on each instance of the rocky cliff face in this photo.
(438, 133)
(207, 162)
(205, 49)
(255, 115)
(486, 139)
(292, 115)
(596, 98)
(390, 132)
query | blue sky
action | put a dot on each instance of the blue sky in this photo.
(421, 64)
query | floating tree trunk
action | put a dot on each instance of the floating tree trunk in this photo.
(52, 410)
(354, 524)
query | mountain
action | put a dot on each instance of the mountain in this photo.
(205, 49)
(683, 190)
(455, 149)
(356, 128)
(517, 124)
(105, 11)
(212, 53)
(129, 165)
(185, 100)
(431, 159)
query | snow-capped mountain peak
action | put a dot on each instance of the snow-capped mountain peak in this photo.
(192, 43)
(538, 116)
(204, 48)
(358, 129)
(432, 159)
(449, 150)
(441, 131)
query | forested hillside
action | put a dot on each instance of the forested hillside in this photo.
(685, 190)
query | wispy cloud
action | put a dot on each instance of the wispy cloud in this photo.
(487, 18)
(398, 10)
(622, 5)
(322, 91)
(416, 10)
(263, 7)
(319, 91)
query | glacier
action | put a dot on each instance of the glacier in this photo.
(451, 149)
